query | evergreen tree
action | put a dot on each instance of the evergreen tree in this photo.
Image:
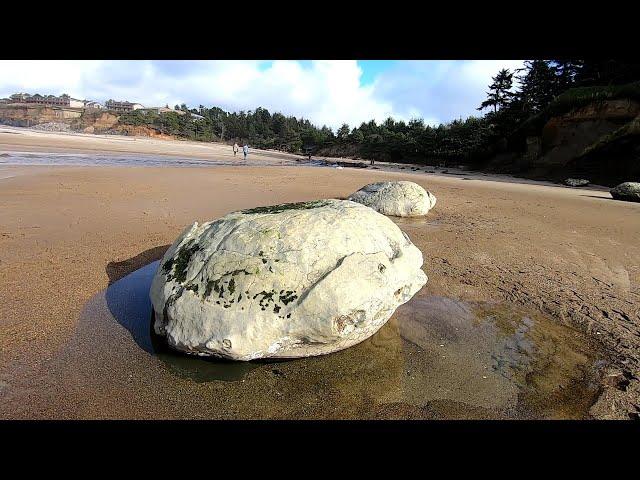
(538, 85)
(343, 132)
(608, 72)
(566, 72)
(499, 94)
(509, 103)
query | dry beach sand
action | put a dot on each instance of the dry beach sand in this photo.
(532, 309)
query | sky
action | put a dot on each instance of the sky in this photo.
(327, 92)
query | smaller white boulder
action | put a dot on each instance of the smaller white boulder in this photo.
(399, 199)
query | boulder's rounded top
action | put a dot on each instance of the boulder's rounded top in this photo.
(401, 198)
(284, 280)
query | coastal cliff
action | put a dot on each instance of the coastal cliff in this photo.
(593, 138)
(73, 120)
(599, 141)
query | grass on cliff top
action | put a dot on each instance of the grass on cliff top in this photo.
(581, 97)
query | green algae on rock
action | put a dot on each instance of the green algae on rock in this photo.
(179, 264)
(286, 206)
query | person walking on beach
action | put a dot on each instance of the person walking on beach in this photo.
(245, 150)
(235, 149)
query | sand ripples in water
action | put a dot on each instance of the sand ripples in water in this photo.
(436, 358)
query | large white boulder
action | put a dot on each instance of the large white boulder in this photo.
(400, 199)
(629, 191)
(284, 281)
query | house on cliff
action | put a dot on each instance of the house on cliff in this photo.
(122, 106)
(63, 100)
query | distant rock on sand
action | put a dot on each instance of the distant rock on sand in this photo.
(400, 199)
(576, 182)
(52, 127)
(629, 191)
(284, 281)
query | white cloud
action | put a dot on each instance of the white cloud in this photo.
(440, 90)
(43, 76)
(325, 92)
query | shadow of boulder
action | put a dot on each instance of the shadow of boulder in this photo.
(127, 299)
(117, 270)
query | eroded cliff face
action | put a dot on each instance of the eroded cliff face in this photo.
(96, 122)
(87, 121)
(28, 116)
(594, 142)
(613, 159)
(140, 131)
(566, 137)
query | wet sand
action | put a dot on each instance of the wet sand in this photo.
(532, 286)
(24, 146)
(437, 358)
(18, 139)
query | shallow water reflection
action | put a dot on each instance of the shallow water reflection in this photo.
(148, 160)
(128, 301)
(436, 358)
(501, 358)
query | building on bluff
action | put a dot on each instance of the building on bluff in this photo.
(63, 100)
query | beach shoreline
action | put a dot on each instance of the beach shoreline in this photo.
(69, 232)
(24, 140)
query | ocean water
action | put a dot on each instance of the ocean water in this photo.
(138, 160)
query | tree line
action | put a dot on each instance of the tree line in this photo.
(513, 99)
